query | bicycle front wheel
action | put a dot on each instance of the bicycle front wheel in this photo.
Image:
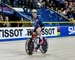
(29, 47)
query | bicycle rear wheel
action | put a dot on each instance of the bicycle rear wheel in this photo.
(44, 46)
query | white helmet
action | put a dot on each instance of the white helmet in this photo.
(34, 11)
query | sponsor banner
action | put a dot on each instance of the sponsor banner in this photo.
(63, 31)
(25, 32)
(67, 31)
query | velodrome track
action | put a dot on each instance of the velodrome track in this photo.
(62, 48)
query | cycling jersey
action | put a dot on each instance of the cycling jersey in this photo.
(38, 23)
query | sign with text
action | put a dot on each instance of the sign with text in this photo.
(25, 32)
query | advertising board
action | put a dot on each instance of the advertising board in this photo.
(25, 32)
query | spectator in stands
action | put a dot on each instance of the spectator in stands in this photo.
(34, 2)
(72, 16)
(61, 3)
(25, 8)
(66, 4)
(31, 3)
(74, 13)
(70, 4)
(39, 4)
(48, 4)
(20, 3)
(1, 19)
(16, 3)
(7, 20)
(64, 12)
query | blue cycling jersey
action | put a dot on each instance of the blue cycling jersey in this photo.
(38, 23)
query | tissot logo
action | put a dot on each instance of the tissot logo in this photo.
(48, 31)
(45, 31)
(11, 32)
(25, 32)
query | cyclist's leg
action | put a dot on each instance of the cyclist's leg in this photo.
(34, 34)
(38, 30)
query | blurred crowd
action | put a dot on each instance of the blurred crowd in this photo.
(6, 18)
(64, 7)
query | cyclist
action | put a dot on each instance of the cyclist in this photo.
(37, 27)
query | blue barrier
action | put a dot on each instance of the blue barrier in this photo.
(67, 31)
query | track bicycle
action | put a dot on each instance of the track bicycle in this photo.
(30, 45)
